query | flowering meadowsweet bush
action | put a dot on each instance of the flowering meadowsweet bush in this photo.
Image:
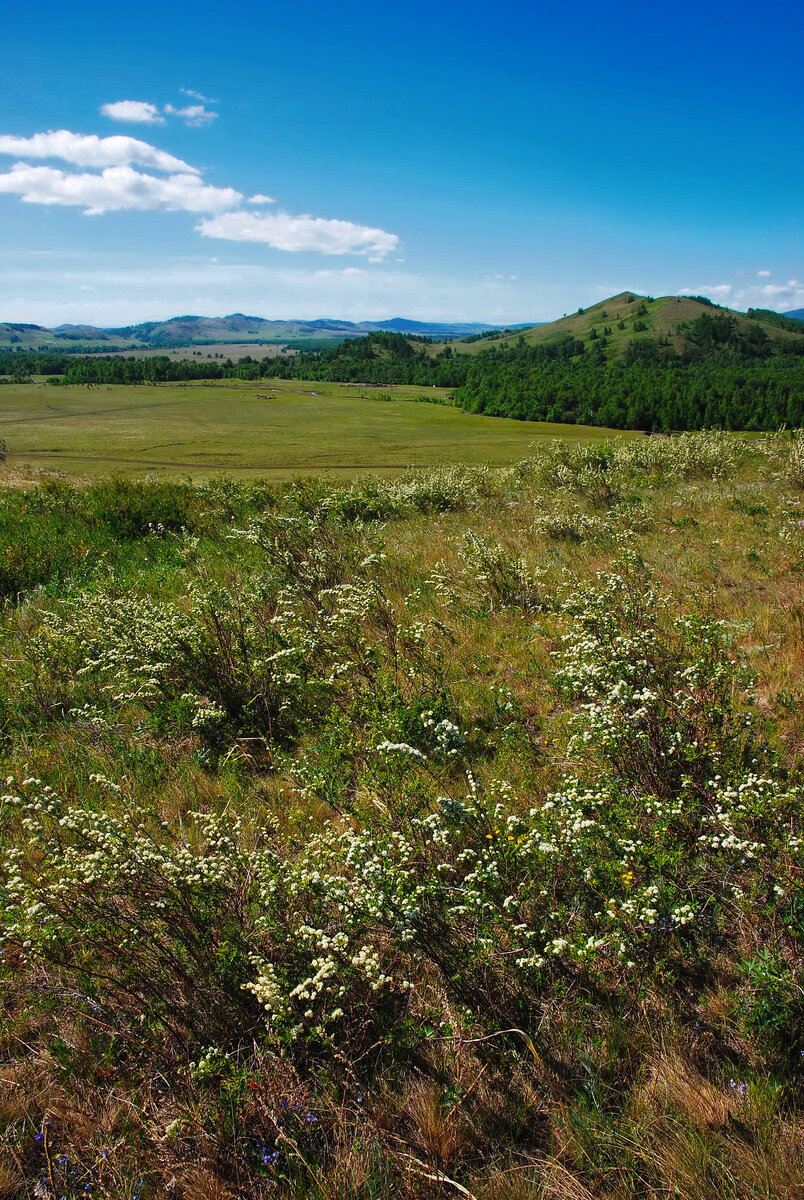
(498, 576)
(709, 455)
(601, 472)
(494, 899)
(142, 919)
(657, 698)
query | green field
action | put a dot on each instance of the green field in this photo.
(233, 350)
(285, 427)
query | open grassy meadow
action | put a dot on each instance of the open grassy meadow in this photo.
(233, 350)
(400, 838)
(284, 427)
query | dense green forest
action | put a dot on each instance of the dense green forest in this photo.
(715, 373)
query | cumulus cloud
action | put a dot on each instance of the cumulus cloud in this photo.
(116, 188)
(115, 185)
(133, 112)
(764, 274)
(142, 112)
(285, 232)
(89, 150)
(192, 114)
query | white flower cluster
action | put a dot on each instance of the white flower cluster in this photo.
(588, 880)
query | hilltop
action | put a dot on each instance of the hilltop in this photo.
(622, 318)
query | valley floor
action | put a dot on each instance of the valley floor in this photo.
(285, 427)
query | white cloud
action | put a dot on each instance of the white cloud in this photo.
(142, 112)
(116, 188)
(89, 150)
(779, 296)
(286, 232)
(764, 274)
(197, 96)
(134, 112)
(192, 114)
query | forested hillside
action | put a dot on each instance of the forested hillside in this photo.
(725, 375)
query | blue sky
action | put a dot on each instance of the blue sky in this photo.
(439, 161)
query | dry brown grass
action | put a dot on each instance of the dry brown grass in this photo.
(11, 1181)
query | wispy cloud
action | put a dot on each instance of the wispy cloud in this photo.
(285, 232)
(260, 199)
(197, 96)
(114, 189)
(133, 112)
(192, 114)
(124, 292)
(89, 150)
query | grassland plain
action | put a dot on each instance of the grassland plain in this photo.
(407, 838)
(233, 350)
(285, 427)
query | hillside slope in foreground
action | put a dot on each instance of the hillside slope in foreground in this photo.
(414, 838)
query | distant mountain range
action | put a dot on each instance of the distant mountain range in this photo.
(207, 331)
(797, 313)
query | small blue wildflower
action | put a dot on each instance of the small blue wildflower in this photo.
(39, 1137)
